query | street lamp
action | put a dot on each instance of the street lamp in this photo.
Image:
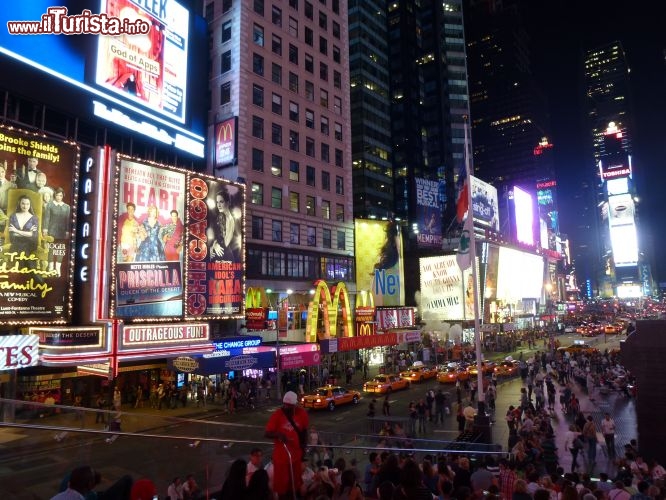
(285, 316)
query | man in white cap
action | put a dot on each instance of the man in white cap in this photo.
(288, 427)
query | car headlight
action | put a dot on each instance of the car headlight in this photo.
(318, 400)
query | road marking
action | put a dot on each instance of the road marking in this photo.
(442, 430)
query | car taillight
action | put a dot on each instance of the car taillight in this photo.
(318, 400)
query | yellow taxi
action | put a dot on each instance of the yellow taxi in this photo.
(452, 373)
(487, 368)
(330, 396)
(418, 372)
(383, 384)
(506, 369)
(578, 348)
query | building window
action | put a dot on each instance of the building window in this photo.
(276, 230)
(309, 63)
(339, 213)
(293, 54)
(310, 146)
(293, 27)
(257, 160)
(276, 74)
(325, 152)
(294, 170)
(257, 227)
(276, 16)
(257, 193)
(225, 93)
(326, 181)
(293, 111)
(326, 238)
(339, 185)
(309, 36)
(324, 125)
(336, 54)
(258, 35)
(323, 21)
(276, 134)
(341, 240)
(293, 4)
(276, 106)
(309, 11)
(276, 197)
(312, 236)
(338, 131)
(326, 209)
(294, 141)
(210, 12)
(337, 105)
(258, 95)
(338, 157)
(309, 91)
(294, 234)
(337, 79)
(336, 30)
(323, 98)
(258, 64)
(310, 206)
(309, 118)
(323, 71)
(310, 175)
(276, 165)
(226, 62)
(293, 82)
(323, 45)
(226, 31)
(335, 6)
(257, 127)
(259, 7)
(277, 45)
(294, 202)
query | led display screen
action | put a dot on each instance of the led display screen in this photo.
(524, 216)
(484, 204)
(617, 186)
(625, 245)
(520, 275)
(621, 210)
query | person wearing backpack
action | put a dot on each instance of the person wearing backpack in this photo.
(574, 444)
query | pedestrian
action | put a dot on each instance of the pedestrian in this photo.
(371, 408)
(590, 437)
(422, 413)
(430, 400)
(191, 490)
(608, 431)
(386, 407)
(440, 404)
(114, 426)
(117, 399)
(100, 402)
(139, 397)
(175, 489)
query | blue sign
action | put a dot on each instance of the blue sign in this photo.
(222, 364)
(232, 343)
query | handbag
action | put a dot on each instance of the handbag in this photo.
(302, 433)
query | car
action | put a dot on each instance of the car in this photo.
(384, 384)
(418, 373)
(452, 373)
(487, 368)
(506, 368)
(330, 396)
(579, 347)
(569, 329)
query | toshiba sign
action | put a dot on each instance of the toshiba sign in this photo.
(18, 351)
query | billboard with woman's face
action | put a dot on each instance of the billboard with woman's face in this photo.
(38, 188)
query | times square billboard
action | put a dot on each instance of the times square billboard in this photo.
(142, 76)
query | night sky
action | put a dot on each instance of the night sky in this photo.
(561, 31)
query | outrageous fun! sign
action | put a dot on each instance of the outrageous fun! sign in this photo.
(215, 250)
(38, 188)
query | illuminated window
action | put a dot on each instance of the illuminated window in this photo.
(276, 197)
(326, 209)
(309, 118)
(324, 125)
(338, 131)
(276, 165)
(294, 171)
(294, 202)
(226, 31)
(225, 93)
(257, 193)
(340, 213)
(293, 111)
(312, 236)
(310, 205)
(276, 106)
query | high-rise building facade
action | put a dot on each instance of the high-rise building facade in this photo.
(279, 80)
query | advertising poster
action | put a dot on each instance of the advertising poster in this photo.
(149, 241)
(38, 199)
(428, 213)
(379, 265)
(150, 68)
(215, 276)
(484, 204)
(441, 288)
(225, 142)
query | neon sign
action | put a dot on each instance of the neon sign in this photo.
(322, 303)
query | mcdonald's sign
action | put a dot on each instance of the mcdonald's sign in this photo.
(322, 303)
(225, 142)
(365, 329)
(255, 298)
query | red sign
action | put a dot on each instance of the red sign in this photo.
(366, 342)
(365, 329)
(18, 351)
(546, 184)
(365, 314)
(297, 360)
(255, 318)
(618, 172)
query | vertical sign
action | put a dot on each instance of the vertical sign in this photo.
(215, 274)
(38, 199)
(225, 142)
(428, 213)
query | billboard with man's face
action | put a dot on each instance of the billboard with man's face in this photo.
(38, 196)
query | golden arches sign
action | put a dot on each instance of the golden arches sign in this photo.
(364, 298)
(255, 298)
(322, 302)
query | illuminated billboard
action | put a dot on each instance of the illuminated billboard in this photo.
(226, 140)
(524, 211)
(520, 275)
(620, 210)
(379, 264)
(484, 204)
(38, 200)
(428, 213)
(446, 292)
(624, 242)
(149, 241)
(143, 77)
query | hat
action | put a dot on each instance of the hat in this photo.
(290, 398)
(143, 489)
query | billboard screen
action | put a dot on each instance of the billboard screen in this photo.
(617, 186)
(428, 213)
(225, 142)
(215, 285)
(524, 216)
(624, 242)
(379, 264)
(138, 72)
(520, 275)
(446, 292)
(38, 200)
(149, 241)
(484, 204)
(620, 210)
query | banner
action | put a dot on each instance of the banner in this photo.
(441, 288)
(299, 360)
(38, 188)
(428, 213)
(225, 142)
(379, 264)
(18, 351)
(215, 282)
(484, 204)
(149, 241)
